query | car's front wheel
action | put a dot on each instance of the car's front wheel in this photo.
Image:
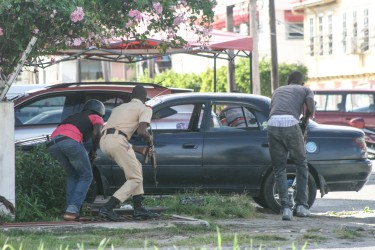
(260, 201)
(271, 195)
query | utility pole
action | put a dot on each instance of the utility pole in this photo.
(274, 61)
(253, 31)
(231, 81)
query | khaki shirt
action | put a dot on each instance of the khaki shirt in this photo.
(127, 117)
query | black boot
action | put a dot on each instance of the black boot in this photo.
(107, 210)
(140, 212)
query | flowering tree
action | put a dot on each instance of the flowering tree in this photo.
(59, 24)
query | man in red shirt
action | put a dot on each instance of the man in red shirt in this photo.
(67, 147)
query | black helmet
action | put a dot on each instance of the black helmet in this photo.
(95, 106)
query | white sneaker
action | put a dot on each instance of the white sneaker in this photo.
(287, 214)
(301, 211)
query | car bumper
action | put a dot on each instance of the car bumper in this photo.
(348, 175)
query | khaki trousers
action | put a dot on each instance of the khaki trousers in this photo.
(117, 148)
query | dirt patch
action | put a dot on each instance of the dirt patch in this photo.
(319, 231)
(352, 229)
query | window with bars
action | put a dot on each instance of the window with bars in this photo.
(294, 30)
(366, 39)
(344, 33)
(320, 36)
(354, 32)
(330, 36)
(311, 37)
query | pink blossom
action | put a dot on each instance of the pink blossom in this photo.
(187, 46)
(77, 15)
(77, 42)
(158, 8)
(36, 31)
(136, 14)
(178, 20)
(170, 33)
(1, 31)
(207, 32)
(129, 24)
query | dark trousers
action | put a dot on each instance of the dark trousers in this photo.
(284, 142)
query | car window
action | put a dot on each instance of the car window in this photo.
(233, 115)
(110, 100)
(329, 102)
(345, 102)
(177, 117)
(41, 111)
(360, 103)
(47, 117)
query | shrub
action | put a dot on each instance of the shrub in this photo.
(40, 185)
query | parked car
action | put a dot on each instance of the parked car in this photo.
(194, 150)
(38, 113)
(206, 155)
(349, 107)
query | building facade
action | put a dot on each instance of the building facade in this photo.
(339, 43)
(289, 32)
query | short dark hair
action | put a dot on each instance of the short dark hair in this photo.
(139, 92)
(296, 77)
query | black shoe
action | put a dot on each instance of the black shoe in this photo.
(143, 213)
(110, 214)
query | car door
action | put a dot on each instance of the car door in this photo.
(41, 114)
(330, 108)
(178, 144)
(235, 152)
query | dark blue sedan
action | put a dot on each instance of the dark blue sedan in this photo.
(218, 142)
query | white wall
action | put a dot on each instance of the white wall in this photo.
(7, 154)
(184, 63)
(288, 50)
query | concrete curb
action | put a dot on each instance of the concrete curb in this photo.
(171, 221)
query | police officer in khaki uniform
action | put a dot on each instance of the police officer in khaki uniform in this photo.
(123, 122)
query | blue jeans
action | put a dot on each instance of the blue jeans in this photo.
(73, 157)
(284, 142)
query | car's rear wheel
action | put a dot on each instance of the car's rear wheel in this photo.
(271, 195)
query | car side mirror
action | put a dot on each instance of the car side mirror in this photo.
(357, 122)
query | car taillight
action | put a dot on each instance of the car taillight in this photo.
(361, 144)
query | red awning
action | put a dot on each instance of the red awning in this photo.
(219, 40)
(239, 16)
(289, 16)
(130, 51)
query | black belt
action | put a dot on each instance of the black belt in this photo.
(113, 130)
(54, 141)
